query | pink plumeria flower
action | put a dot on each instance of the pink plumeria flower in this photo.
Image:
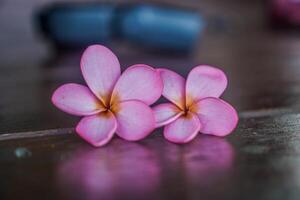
(112, 102)
(195, 105)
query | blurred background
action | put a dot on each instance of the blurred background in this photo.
(255, 42)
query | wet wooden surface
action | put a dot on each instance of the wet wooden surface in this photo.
(42, 158)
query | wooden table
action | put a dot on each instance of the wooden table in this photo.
(42, 158)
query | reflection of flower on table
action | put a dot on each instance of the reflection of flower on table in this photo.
(114, 172)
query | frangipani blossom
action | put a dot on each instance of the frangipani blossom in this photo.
(195, 105)
(112, 102)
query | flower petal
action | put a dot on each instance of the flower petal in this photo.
(216, 116)
(204, 81)
(135, 120)
(76, 99)
(97, 129)
(166, 113)
(174, 87)
(100, 69)
(183, 129)
(138, 82)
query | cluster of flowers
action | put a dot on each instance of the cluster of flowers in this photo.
(114, 103)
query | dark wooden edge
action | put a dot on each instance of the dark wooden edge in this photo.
(34, 134)
(64, 131)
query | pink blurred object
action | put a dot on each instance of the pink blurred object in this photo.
(285, 12)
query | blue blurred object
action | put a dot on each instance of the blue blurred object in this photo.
(78, 25)
(163, 28)
(150, 26)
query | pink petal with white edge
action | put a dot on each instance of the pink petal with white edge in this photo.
(76, 99)
(97, 129)
(166, 113)
(216, 116)
(174, 87)
(205, 81)
(138, 82)
(101, 70)
(183, 129)
(135, 120)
